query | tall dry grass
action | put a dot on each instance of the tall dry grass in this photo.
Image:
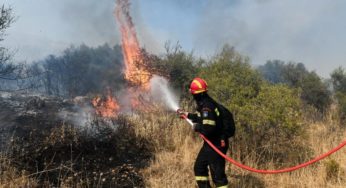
(11, 177)
(176, 147)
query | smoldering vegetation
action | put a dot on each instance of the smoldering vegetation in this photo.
(40, 143)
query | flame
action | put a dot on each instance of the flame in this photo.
(107, 107)
(135, 72)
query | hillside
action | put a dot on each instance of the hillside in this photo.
(144, 150)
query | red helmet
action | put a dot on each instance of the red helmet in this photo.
(198, 85)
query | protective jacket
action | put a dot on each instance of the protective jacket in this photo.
(208, 122)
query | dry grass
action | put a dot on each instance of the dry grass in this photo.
(323, 137)
(176, 148)
(11, 177)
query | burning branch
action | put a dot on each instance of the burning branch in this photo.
(135, 72)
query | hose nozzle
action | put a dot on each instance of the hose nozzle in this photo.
(179, 111)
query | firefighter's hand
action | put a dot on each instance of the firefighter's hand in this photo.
(223, 143)
(196, 127)
(182, 114)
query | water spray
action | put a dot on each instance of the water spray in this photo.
(161, 92)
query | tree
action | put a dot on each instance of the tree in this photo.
(14, 76)
(294, 73)
(339, 80)
(277, 71)
(82, 70)
(314, 91)
(231, 77)
(179, 66)
(338, 77)
(6, 67)
(272, 71)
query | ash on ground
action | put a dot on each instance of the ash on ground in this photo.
(62, 142)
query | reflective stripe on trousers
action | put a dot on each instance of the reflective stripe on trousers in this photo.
(201, 178)
(224, 186)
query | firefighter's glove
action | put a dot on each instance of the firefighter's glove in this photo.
(196, 127)
(182, 114)
(223, 143)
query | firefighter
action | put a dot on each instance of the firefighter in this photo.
(207, 122)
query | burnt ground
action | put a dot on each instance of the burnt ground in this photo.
(20, 114)
(60, 150)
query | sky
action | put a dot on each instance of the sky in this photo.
(307, 31)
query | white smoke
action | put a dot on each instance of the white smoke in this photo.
(48, 27)
(304, 31)
(162, 93)
(80, 115)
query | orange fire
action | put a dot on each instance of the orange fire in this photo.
(135, 73)
(107, 107)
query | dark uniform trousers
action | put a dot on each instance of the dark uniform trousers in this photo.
(208, 157)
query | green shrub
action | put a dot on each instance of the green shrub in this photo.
(231, 79)
(339, 84)
(180, 67)
(314, 91)
(267, 116)
(341, 99)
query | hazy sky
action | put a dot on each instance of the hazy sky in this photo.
(307, 31)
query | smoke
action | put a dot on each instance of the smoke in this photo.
(48, 27)
(80, 116)
(161, 93)
(79, 112)
(92, 22)
(305, 31)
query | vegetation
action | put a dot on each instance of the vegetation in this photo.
(272, 130)
(69, 156)
(157, 149)
(178, 66)
(14, 76)
(80, 71)
(260, 109)
(339, 85)
(314, 91)
(6, 67)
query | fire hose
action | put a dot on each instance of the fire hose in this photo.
(289, 169)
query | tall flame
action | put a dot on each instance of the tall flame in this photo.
(135, 73)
